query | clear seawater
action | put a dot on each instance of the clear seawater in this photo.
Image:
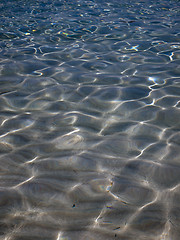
(89, 120)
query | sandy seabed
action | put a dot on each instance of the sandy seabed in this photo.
(89, 120)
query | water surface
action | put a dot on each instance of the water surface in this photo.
(89, 120)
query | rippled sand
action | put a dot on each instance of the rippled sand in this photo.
(89, 120)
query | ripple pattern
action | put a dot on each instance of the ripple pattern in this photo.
(89, 120)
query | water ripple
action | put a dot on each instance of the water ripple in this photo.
(89, 120)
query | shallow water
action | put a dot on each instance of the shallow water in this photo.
(90, 119)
